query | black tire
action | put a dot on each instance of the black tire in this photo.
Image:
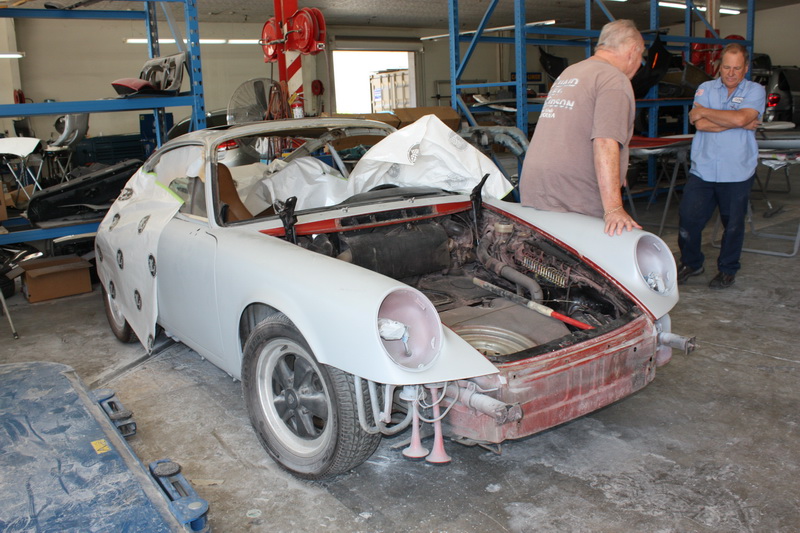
(304, 413)
(116, 320)
(7, 286)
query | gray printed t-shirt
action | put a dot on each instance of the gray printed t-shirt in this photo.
(591, 99)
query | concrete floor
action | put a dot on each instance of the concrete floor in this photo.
(711, 445)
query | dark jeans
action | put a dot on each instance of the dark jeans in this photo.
(700, 198)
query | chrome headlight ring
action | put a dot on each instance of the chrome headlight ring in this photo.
(655, 264)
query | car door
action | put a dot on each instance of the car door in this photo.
(187, 249)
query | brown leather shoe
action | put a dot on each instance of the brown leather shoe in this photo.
(686, 272)
(722, 281)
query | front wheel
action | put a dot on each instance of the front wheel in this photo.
(304, 412)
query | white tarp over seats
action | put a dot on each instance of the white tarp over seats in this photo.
(427, 153)
(314, 183)
(127, 239)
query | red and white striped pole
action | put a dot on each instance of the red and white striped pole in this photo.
(294, 72)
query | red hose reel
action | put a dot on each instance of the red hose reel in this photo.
(708, 56)
(305, 33)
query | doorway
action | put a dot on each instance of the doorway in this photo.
(352, 71)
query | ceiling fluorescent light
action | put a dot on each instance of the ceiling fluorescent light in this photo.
(722, 10)
(242, 41)
(12, 55)
(144, 41)
(212, 41)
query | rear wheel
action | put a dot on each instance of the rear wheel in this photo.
(122, 330)
(304, 412)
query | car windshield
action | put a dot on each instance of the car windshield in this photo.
(345, 165)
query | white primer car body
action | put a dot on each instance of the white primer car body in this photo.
(386, 302)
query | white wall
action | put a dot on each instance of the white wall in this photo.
(9, 72)
(77, 60)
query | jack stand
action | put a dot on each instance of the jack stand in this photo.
(8, 315)
(415, 449)
(437, 455)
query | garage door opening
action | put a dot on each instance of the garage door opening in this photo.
(352, 71)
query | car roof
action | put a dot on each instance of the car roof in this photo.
(302, 127)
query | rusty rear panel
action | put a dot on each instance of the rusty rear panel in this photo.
(563, 385)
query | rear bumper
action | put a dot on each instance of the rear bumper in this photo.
(560, 386)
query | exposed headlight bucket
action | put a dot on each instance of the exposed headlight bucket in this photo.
(655, 264)
(409, 329)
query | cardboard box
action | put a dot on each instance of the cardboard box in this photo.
(350, 142)
(448, 115)
(20, 197)
(386, 118)
(3, 211)
(55, 277)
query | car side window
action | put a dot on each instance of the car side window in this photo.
(182, 170)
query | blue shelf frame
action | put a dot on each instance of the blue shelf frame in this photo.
(194, 98)
(579, 37)
(45, 234)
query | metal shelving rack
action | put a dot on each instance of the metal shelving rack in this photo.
(193, 98)
(577, 37)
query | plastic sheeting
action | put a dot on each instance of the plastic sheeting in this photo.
(314, 183)
(127, 240)
(427, 153)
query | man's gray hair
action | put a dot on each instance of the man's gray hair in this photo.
(617, 34)
(736, 48)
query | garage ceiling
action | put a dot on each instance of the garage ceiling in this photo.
(427, 13)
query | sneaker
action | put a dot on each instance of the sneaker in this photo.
(722, 281)
(686, 272)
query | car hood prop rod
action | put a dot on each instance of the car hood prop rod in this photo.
(477, 204)
(286, 213)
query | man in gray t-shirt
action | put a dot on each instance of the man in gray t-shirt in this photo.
(578, 155)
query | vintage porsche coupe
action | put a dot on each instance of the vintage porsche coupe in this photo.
(359, 294)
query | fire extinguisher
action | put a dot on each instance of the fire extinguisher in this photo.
(19, 96)
(297, 107)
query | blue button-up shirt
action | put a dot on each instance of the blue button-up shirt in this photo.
(731, 155)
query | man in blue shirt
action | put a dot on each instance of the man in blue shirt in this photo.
(726, 113)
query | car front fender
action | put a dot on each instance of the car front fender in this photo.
(334, 304)
(636, 260)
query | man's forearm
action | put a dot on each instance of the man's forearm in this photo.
(704, 124)
(606, 164)
(726, 118)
